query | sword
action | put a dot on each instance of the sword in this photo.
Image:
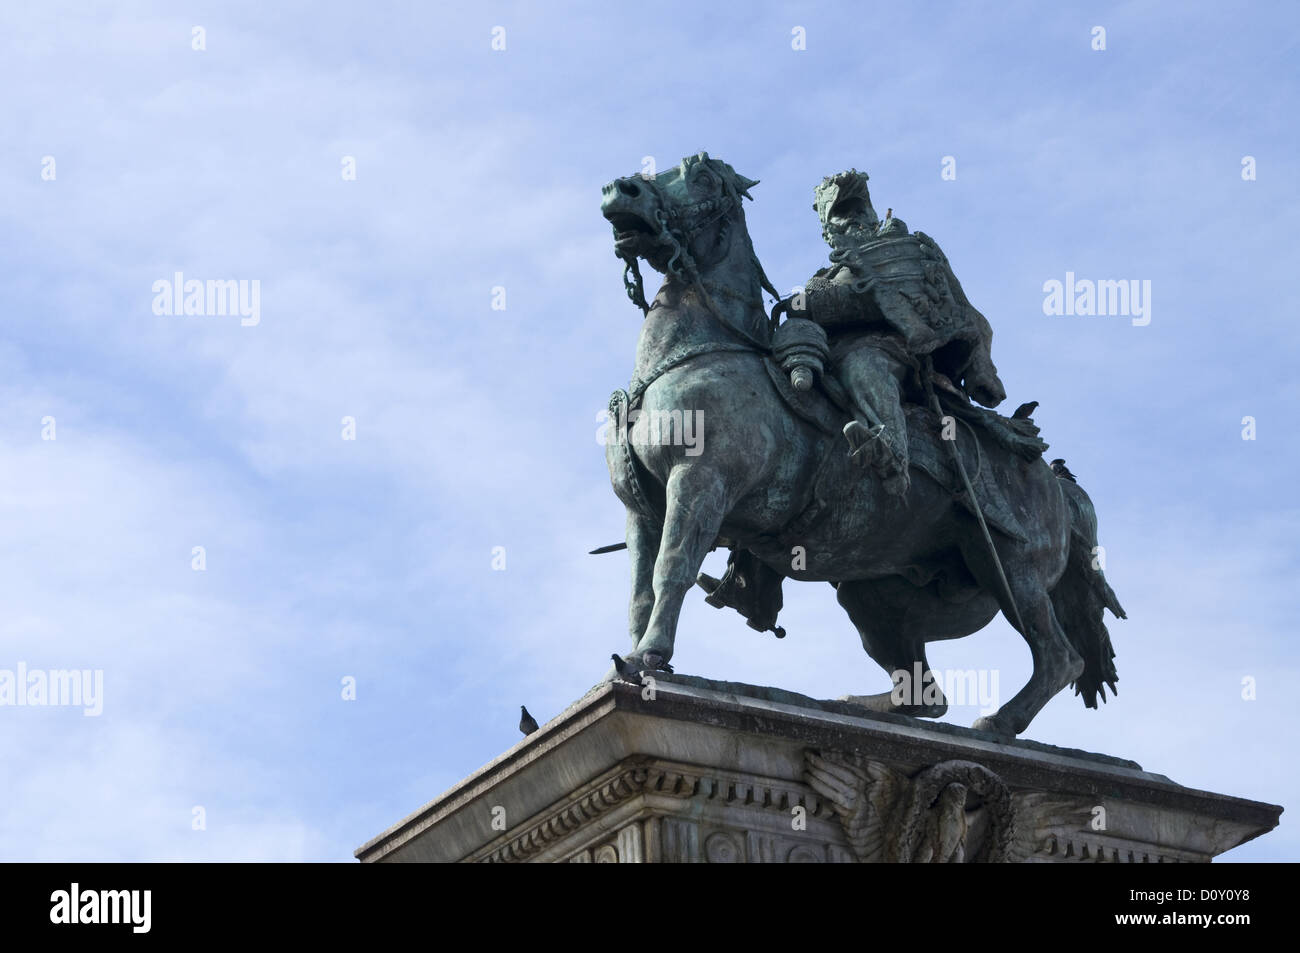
(975, 503)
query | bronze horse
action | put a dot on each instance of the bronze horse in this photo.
(908, 572)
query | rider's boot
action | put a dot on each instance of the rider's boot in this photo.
(874, 447)
(878, 435)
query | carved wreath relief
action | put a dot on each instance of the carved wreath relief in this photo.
(951, 812)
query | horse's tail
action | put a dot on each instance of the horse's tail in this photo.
(1081, 596)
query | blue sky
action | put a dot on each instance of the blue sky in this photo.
(475, 428)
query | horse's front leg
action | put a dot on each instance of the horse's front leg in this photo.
(643, 538)
(696, 505)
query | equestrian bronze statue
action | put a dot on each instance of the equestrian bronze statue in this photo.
(838, 439)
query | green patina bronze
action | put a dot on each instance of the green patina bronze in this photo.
(838, 439)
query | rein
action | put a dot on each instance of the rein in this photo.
(680, 357)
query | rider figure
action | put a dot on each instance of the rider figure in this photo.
(881, 328)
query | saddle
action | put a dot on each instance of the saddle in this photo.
(926, 451)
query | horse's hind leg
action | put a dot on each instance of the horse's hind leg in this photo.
(879, 609)
(696, 504)
(1056, 663)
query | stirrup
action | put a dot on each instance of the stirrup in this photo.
(872, 434)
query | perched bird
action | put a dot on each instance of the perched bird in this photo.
(1062, 471)
(889, 213)
(625, 671)
(1024, 410)
(527, 723)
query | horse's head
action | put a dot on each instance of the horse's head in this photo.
(675, 218)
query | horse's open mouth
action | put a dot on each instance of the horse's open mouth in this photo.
(629, 228)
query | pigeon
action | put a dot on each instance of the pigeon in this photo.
(625, 670)
(1024, 410)
(527, 723)
(1062, 471)
(889, 213)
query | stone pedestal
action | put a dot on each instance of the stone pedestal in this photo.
(691, 770)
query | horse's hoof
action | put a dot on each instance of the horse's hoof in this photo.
(882, 702)
(625, 669)
(654, 662)
(993, 726)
